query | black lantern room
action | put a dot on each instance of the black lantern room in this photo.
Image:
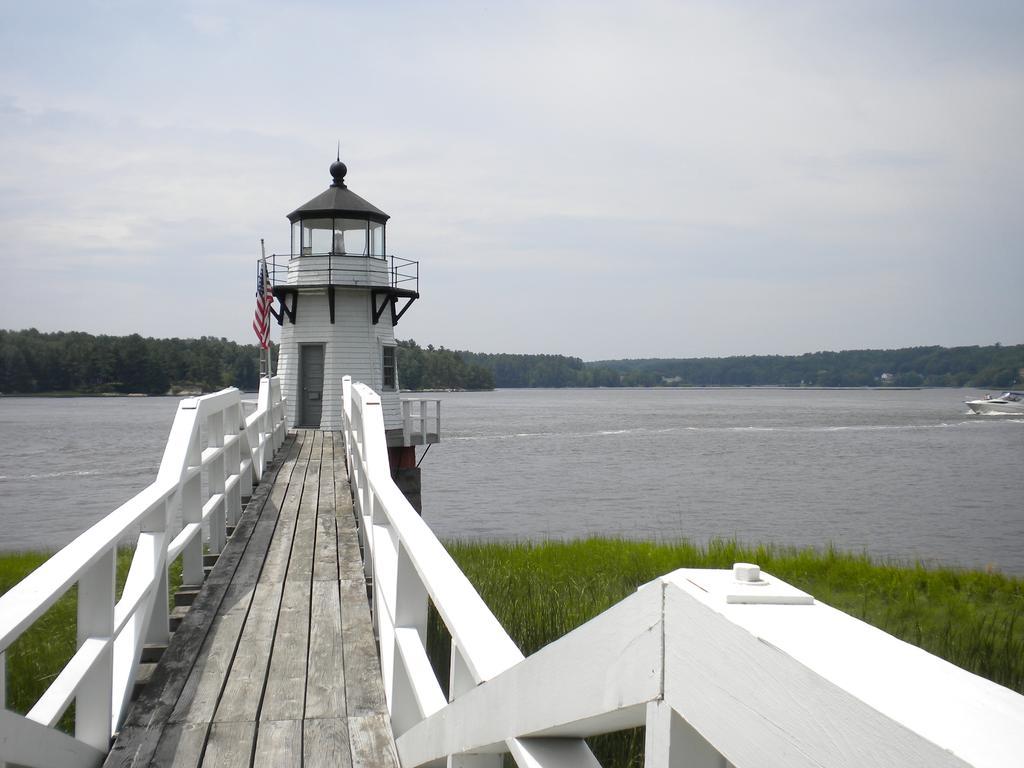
(338, 240)
(338, 222)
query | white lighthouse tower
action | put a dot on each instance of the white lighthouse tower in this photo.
(340, 296)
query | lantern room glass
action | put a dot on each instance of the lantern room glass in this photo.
(338, 237)
(376, 240)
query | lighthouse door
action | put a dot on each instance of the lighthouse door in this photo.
(311, 384)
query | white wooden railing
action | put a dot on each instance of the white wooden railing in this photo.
(724, 668)
(210, 439)
(421, 421)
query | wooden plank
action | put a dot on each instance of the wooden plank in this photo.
(350, 564)
(325, 555)
(326, 506)
(202, 691)
(243, 690)
(285, 695)
(279, 744)
(325, 681)
(141, 731)
(230, 745)
(373, 745)
(343, 507)
(181, 746)
(300, 564)
(276, 564)
(325, 744)
(199, 697)
(364, 689)
(342, 492)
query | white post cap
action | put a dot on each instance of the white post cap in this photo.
(746, 572)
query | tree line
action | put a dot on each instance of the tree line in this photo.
(69, 361)
(422, 368)
(995, 366)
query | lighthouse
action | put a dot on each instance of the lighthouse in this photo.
(340, 296)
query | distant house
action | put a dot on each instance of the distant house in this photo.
(887, 378)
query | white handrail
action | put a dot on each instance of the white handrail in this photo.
(408, 566)
(724, 668)
(210, 437)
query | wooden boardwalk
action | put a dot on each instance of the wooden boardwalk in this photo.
(275, 664)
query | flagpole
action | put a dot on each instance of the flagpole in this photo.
(263, 252)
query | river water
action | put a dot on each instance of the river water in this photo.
(899, 474)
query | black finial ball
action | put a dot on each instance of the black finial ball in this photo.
(338, 171)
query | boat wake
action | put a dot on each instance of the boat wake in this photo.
(723, 429)
(53, 475)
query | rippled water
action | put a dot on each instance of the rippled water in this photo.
(906, 474)
(66, 463)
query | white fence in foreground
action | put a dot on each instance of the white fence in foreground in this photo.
(210, 436)
(724, 668)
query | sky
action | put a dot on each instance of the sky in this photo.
(597, 179)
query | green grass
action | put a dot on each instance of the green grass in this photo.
(38, 656)
(540, 591)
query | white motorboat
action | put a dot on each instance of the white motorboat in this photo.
(1006, 403)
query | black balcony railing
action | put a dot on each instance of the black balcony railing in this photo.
(344, 269)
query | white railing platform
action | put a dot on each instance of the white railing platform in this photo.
(724, 668)
(210, 441)
(421, 421)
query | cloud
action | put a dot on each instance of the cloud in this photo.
(594, 179)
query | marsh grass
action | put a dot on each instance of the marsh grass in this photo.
(539, 591)
(36, 658)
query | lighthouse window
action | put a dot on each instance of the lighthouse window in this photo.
(350, 237)
(389, 378)
(316, 236)
(376, 239)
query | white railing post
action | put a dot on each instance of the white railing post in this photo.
(258, 431)
(346, 403)
(374, 453)
(192, 507)
(233, 460)
(158, 630)
(148, 570)
(671, 742)
(215, 480)
(407, 422)
(460, 680)
(410, 613)
(96, 621)
(246, 451)
(279, 424)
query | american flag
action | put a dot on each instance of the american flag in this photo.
(264, 300)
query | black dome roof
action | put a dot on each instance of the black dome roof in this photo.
(338, 201)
